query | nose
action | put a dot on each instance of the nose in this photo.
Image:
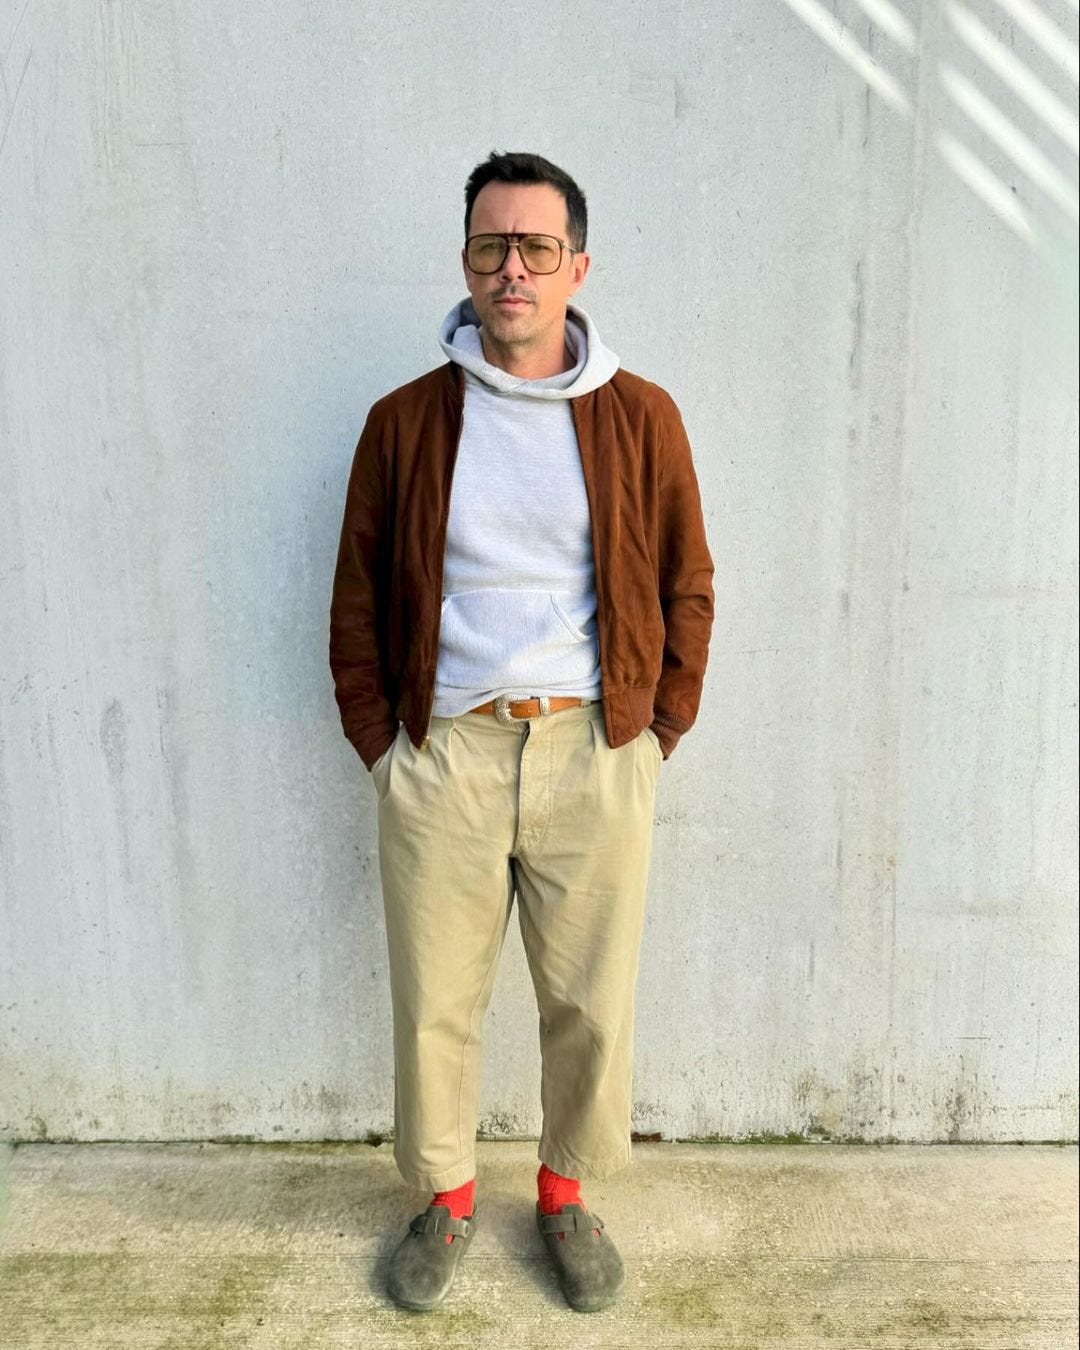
(512, 266)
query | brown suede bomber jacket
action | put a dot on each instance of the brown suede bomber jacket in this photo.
(653, 570)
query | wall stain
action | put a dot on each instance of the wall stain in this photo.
(501, 1125)
(113, 737)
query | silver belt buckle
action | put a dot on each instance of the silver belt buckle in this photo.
(505, 718)
(502, 712)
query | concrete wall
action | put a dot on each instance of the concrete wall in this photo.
(226, 229)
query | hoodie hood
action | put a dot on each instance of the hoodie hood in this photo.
(459, 337)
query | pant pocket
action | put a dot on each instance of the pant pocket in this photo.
(380, 770)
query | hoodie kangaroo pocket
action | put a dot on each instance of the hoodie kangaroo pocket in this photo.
(497, 637)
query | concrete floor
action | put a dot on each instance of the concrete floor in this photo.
(743, 1247)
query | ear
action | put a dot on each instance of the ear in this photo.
(579, 266)
(465, 268)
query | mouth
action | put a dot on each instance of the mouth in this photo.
(511, 301)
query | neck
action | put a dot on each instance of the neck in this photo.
(530, 363)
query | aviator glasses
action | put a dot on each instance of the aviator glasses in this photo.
(541, 253)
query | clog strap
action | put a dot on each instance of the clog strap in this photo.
(575, 1220)
(436, 1219)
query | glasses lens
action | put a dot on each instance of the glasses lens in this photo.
(486, 252)
(540, 253)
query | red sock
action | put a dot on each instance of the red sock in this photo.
(460, 1200)
(556, 1191)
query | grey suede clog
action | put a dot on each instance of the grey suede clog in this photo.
(589, 1267)
(423, 1264)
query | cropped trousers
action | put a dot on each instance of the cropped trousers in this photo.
(544, 810)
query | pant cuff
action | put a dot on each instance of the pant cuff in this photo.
(568, 1166)
(448, 1180)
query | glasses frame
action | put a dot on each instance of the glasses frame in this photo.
(512, 240)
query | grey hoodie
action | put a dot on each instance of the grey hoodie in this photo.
(459, 337)
(519, 599)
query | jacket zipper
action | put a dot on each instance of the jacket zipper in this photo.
(442, 547)
(598, 582)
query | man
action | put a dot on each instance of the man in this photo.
(519, 630)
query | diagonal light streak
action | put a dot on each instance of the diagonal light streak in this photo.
(833, 33)
(1023, 152)
(985, 184)
(980, 110)
(1020, 79)
(891, 22)
(1045, 33)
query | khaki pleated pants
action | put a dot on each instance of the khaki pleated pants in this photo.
(548, 810)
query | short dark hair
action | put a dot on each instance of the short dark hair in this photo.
(522, 168)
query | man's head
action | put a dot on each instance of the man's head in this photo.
(531, 169)
(522, 306)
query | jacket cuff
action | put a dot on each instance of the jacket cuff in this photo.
(666, 735)
(372, 743)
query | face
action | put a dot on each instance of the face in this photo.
(517, 308)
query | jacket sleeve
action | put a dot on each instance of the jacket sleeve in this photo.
(685, 572)
(358, 604)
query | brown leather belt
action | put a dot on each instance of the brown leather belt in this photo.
(508, 710)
